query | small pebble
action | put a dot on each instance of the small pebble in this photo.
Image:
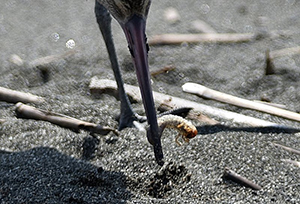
(171, 15)
(70, 44)
(202, 27)
(16, 59)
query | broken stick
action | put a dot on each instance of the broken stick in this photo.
(271, 55)
(169, 39)
(231, 175)
(270, 68)
(25, 111)
(12, 96)
(110, 86)
(233, 100)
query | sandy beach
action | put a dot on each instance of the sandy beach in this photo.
(41, 162)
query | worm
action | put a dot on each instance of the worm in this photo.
(185, 128)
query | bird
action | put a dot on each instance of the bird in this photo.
(131, 16)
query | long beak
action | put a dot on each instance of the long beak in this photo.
(134, 30)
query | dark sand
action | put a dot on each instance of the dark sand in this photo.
(44, 163)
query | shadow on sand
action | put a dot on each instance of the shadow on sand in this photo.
(45, 175)
(211, 129)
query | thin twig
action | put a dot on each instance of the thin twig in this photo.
(226, 98)
(109, 86)
(231, 175)
(12, 96)
(25, 111)
(287, 148)
(169, 39)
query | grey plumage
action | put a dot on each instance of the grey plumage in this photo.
(122, 10)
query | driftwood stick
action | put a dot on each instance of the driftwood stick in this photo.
(231, 175)
(17, 60)
(271, 104)
(283, 52)
(12, 96)
(169, 39)
(287, 148)
(194, 115)
(202, 118)
(226, 98)
(296, 163)
(25, 111)
(109, 86)
(51, 58)
(271, 55)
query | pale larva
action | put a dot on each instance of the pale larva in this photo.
(185, 128)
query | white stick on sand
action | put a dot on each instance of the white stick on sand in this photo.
(226, 98)
(174, 38)
(12, 96)
(106, 85)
